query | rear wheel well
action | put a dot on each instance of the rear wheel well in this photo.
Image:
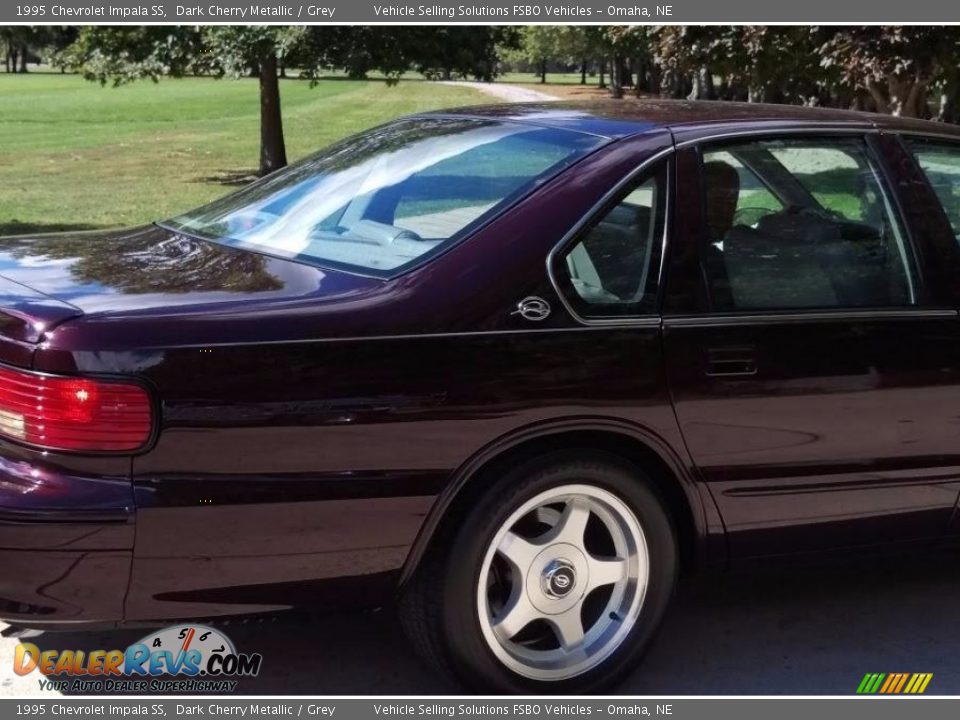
(618, 446)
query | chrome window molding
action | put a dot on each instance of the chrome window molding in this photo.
(806, 316)
(511, 119)
(647, 319)
(760, 134)
(935, 136)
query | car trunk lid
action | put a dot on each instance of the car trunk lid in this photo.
(25, 315)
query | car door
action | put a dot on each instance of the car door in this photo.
(937, 161)
(814, 372)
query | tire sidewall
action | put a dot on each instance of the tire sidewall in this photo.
(473, 660)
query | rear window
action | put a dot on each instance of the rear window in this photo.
(387, 199)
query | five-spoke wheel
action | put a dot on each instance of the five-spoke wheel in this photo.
(551, 577)
(562, 582)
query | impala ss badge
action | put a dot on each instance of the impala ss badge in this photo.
(533, 308)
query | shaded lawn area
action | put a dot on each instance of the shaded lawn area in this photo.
(74, 155)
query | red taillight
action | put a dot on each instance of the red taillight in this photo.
(65, 413)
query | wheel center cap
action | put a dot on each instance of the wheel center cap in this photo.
(558, 578)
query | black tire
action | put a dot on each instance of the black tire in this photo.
(438, 608)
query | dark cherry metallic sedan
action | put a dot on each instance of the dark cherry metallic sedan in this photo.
(517, 366)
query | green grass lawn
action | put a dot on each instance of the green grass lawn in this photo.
(76, 155)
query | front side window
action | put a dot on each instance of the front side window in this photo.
(801, 224)
(612, 267)
(941, 164)
(384, 200)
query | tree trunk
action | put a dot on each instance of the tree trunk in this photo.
(709, 89)
(702, 85)
(616, 77)
(583, 72)
(23, 58)
(653, 82)
(603, 66)
(273, 153)
(904, 96)
(915, 104)
(626, 76)
(949, 110)
(543, 71)
(879, 96)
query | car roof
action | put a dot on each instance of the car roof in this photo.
(630, 116)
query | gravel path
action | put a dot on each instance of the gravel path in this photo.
(507, 93)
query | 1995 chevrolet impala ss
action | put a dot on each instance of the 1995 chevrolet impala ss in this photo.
(517, 366)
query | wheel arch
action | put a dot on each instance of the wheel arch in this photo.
(628, 442)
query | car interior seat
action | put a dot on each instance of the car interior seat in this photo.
(612, 262)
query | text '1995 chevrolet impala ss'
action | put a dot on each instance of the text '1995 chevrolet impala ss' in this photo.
(514, 366)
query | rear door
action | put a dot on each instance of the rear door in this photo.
(937, 161)
(814, 370)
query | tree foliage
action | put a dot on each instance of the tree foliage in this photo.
(909, 70)
(120, 54)
(912, 70)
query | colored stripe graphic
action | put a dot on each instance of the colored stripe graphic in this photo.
(894, 683)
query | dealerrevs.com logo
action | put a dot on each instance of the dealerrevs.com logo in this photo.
(179, 658)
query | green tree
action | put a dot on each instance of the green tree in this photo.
(631, 46)
(357, 49)
(118, 55)
(236, 50)
(539, 44)
(761, 63)
(18, 41)
(458, 50)
(894, 65)
(584, 44)
(122, 54)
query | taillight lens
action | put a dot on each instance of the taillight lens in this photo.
(66, 413)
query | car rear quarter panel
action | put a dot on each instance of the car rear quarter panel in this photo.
(299, 470)
(66, 536)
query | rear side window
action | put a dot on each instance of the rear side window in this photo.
(611, 269)
(801, 224)
(941, 164)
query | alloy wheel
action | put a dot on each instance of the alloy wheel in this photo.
(562, 582)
